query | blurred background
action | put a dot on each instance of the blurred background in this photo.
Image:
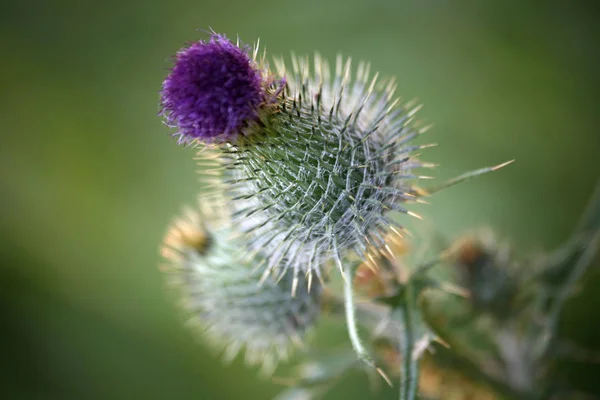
(91, 177)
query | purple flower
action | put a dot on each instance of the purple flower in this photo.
(213, 92)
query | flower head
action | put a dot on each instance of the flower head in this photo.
(316, 159)
(213, 92)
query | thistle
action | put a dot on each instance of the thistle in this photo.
(315, 161)
(223, 297)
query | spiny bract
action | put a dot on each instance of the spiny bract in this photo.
(320, 176)
(223, 296)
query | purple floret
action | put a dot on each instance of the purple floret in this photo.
(213, 91)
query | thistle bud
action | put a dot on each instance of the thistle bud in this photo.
(223, 295)
(315, 166)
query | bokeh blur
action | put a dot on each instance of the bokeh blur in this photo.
(91, 177)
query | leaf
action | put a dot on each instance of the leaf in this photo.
(465, 177)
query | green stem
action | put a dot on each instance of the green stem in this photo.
(370, 314)
(409, 378)
(349, 307)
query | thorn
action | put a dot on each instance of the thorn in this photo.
(376, 267)
(425, 129)
(390, 251)
(412, 214)
(250, 256)
(504, 164)
(384, 376)
(280, 277)
(264, 276)
(366, 238)
(396, 231)
(373, 268)
(295, 283)
(310, 276)
(441, 341)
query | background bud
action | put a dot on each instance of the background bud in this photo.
(224, 296)
(487, 269)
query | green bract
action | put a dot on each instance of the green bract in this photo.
(318, 177)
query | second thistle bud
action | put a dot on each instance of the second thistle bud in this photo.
(224, 295)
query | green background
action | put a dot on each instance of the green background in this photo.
(91, 178)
